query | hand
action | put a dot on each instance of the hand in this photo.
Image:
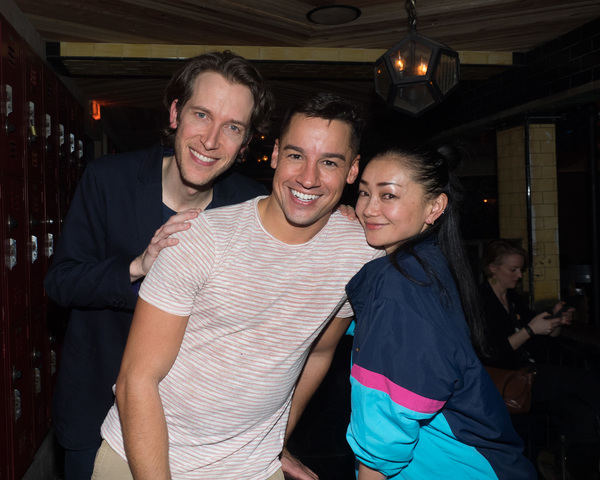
(543, 324)
(566, 316)
(294, 469)
(347, 211)
(161, 239)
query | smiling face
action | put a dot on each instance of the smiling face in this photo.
(391, 206)
(211, 128)
(509, 272)
(313, 161)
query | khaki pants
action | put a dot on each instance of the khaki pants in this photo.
(110, 466)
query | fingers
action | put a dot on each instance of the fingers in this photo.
(347, 211)
(185, 215)
(294, 468)
(177, 223)
(163, 238)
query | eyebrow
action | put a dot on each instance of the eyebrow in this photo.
(381, 184)
(326, 154)
(231, 120)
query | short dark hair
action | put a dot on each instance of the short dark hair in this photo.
(328, 107)
(496, 250)
(236, 70)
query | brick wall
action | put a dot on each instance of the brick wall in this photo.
(544, 213)
(512, 201)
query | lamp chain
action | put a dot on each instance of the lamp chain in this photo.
(412, 14)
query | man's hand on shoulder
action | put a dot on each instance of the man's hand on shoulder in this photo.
(294, 469)
(162, 238)
(347, 211)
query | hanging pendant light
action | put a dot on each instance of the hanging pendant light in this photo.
(417, 73)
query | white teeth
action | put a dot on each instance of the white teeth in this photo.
(202, 157)
(303, 196)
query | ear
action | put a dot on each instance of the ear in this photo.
(438, 206)
(173, 115)
(275, 154)
(353, 172)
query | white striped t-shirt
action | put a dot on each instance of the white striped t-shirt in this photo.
(255, 305)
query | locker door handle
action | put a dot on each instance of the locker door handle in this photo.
(53, 362)
(37, 380)
(33, 248)
(17, 403)
(31, 136)
(49, 245)
(12, 253)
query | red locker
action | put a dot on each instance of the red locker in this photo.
(56, 317)
(34, 114)
(14, 224)
(36, 240)
(21, 397)
(41, 375)
(4, 397)
(50, 131)
(11, 92)
(64, 152)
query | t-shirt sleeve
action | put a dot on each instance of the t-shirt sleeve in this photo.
(180, 271)
(401, 376)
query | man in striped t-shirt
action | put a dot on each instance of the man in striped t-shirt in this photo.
(226, 320)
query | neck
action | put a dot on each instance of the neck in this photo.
(274, 221)
(499, 291)
(177, 195)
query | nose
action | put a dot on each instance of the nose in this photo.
(308, 176)
(210, 139)
(371, 206)
(519, 273)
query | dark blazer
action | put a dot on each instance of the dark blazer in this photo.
(114, 213)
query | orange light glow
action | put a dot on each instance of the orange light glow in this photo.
(95, 107)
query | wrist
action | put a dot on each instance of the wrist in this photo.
(529, 330)
(135, 269)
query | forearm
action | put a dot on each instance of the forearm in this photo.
(152, 347)
(366, 473)
(103, 284)
(144, 430)
(518, 338)
(312, 375)
(315, 369)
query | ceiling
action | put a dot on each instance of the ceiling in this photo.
(130, 85)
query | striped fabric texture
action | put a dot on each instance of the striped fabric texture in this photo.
(255, 305)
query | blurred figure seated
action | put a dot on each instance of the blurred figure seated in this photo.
(515, 338)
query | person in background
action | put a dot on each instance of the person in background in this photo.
(517, 337)
(511, 325)
(125, 210)
(423, 405)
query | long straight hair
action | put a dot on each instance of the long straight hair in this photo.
(434, 171)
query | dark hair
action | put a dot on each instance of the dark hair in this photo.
(434, 171)
(328, 107)
(496, 250)
(236, 70)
